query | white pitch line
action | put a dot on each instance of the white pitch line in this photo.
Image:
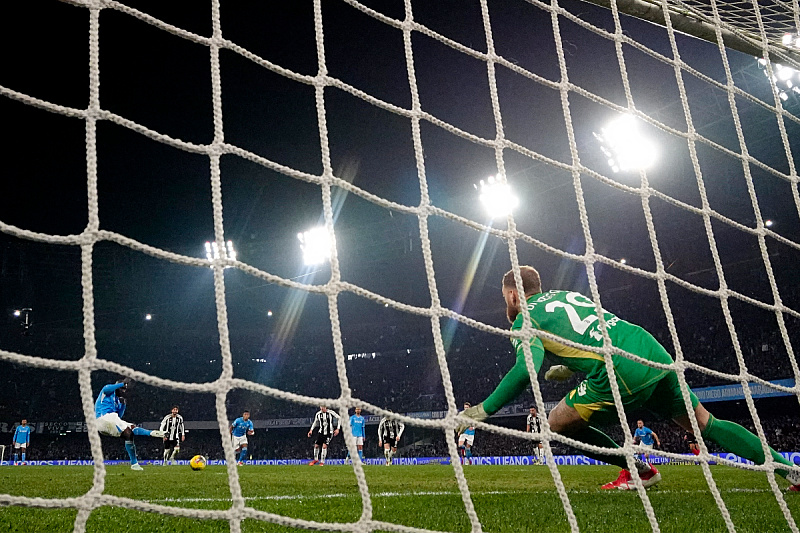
(279, 497)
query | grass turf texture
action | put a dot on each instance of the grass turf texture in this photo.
(506, 498)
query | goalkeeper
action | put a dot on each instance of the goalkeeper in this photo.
(572, 316)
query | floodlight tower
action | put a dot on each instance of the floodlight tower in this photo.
(213, 251)
(316, 245)
(622, 142)
(497, 197)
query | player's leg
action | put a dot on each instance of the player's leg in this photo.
(16, 452)
(361, 449)
(243, 453)
(468, 453)
(387, 453)
(323, 454)
(23, 450)
(575, 416)
(461, 449)
(130, 447)
(175, 450)
(167, 446)
(736, 439)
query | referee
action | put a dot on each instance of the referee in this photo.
(174, 434)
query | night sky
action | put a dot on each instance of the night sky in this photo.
(161, 196)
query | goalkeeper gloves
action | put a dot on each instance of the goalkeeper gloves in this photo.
(558, 373)
(476, 413)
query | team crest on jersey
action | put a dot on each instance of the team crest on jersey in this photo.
(582, 389)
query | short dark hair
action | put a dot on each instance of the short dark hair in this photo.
(531, 282)
(175, 407)
(467, 404)
(246, 411)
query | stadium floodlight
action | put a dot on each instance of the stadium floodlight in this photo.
(17, 313)
(768, 223)
(148, 316)
(269, 313)
(316, 245)
(624, 145)
(784, 80)
(497, 197)
(623, 261)
(213, 251)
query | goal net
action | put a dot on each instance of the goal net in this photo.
(379, 115)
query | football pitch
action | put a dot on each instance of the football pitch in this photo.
(506, 498)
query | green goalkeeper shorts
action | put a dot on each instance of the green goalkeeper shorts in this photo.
(653, 388)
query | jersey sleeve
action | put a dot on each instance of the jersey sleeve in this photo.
(517, 379)
(111, 389)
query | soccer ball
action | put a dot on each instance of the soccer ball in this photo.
(198, 462)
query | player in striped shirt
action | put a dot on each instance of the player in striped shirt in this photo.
(572, 316)
(109, 408)
(174, 434)
(323, 423)
(240, 429)
(357, 423)
(22, 440)
(534, 425)
(389, 433)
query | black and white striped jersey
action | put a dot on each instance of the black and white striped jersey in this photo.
(173, 427)
(390, 429)
(534, 424)
(324, 421)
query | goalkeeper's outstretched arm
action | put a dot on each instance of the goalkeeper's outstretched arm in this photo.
(514, 382)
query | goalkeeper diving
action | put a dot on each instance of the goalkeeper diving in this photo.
(590, 405)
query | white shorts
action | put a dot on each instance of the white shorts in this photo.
(18, 445)
(238, 442)
(469, 439)
(112, 425)
(359, 441)
(643, 445)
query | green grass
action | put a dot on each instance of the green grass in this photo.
(506, 498)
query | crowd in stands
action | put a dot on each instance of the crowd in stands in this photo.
(395, 367)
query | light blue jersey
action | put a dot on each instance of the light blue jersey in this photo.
(108, 402)
(241, 427)
(357, 422)
(645, 434)
(22, 435)
(469, 431)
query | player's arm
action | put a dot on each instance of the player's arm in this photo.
(182, 429)
(338, 422)
(314, 425)
(251, 429)
(658, 441)
(402, 427)
(230, 430)
(380, 431)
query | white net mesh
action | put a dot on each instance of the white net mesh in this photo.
(782, 125)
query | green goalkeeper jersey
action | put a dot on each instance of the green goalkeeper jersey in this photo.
(572, 316)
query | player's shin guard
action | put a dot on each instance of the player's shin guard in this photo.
(23, 457)
(16, 457)
(316, 453)
(324, 454)
(130, 447)
(243, 454)
(173, 454)
(361, 454)
(141, 431)
(736, 439)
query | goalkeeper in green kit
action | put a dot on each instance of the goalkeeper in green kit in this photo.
(572, 316)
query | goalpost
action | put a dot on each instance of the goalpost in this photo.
(751, 28)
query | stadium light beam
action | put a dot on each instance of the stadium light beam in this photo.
(316, 245)
(148, 316)
(782, 75)
(17, 313)
(624, 145)
(497, 197)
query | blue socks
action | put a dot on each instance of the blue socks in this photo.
(243, 454)
(141, 431)
(361, 455)
(16, 457)
(23, 457)
(130, 447)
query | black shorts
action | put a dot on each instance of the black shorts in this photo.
(169, 444)
(323, 438)
(389, 438)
